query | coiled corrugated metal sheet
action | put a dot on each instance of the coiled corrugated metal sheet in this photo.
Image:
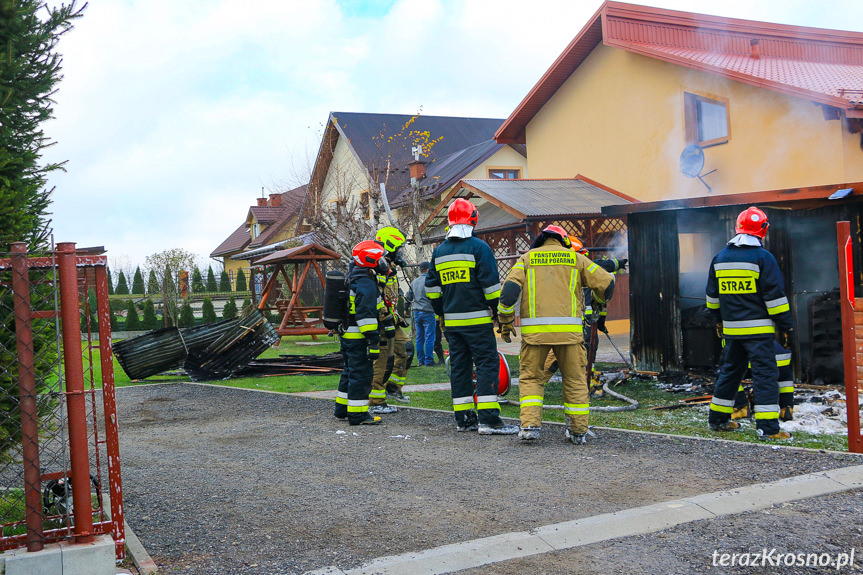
(166, 348)
(233, 350)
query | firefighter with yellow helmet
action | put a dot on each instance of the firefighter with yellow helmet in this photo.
(393, 338)
(548, 280)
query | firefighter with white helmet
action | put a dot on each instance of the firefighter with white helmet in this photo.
(360, 341)
(394, 338)
(548, 280)
(746, 294)
(463, 286)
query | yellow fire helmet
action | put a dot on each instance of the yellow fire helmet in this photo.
(391, 238)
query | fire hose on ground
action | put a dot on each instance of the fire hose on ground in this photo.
(632, 403)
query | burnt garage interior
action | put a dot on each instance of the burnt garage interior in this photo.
(671, 245)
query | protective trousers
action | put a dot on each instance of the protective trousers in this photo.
(390, 348)
(355, 383)
(738, 354)
(572, 362)
(469, 347)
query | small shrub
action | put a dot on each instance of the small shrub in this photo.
(133, 322)
(208, 312)
(241, 281)
(187, 316)
(230, 309)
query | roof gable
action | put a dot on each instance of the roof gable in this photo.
(825, 66)
(236, 242)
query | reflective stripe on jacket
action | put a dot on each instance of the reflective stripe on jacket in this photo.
(550, 280)
(746, 291)
(463, 283)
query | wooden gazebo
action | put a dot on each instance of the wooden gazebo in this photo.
(297, 319)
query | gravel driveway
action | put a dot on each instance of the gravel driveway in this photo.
(220, 480)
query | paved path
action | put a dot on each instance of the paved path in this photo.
(601, 528)
(221, 480)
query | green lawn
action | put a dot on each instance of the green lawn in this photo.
(690, 421)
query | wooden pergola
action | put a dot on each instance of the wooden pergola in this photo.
(297, 319)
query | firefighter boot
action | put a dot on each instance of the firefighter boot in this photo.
(778, 436)
(497, 429)
(383, 409)
(740, 412)
(529, 433)
(575, 438)
(724, 426)
(468, 423)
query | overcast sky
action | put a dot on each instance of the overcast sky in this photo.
(174, 114)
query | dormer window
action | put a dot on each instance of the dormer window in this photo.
(706, 120)
(256, 230)
(504, 173)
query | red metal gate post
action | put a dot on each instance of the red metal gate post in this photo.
(112, 436)
(76, 405)
(849, 349)
(27, 397)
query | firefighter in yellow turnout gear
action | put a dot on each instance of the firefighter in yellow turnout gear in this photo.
(393, 337)
(548, 280)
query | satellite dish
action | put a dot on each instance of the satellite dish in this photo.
(692, 163)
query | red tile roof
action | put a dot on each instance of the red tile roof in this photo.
(825, 66)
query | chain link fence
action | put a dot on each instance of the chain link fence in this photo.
(56, 393)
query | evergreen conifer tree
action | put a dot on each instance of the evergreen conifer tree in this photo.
(241, 281)
(224, 282)
(247, 307)
(133, 323)
(197, 281)
(230, 309)
(138, 282)
(29, 73)
(212, 286)
(208, 311)
(122, 286)
(187, 316)
(150, 321)
(153, 284)
(110, 282)
(170, 285)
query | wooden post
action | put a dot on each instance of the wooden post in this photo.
(849, 349)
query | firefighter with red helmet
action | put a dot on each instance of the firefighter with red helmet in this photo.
(463, 286)
(746, 294)
(548, 280)
(393, 336)
(360, 343)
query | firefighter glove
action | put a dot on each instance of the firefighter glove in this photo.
(785, 336)
(506, 331)
(373, 351)
(621, 264)
(402, 322)
(719, 333)
(600, 324)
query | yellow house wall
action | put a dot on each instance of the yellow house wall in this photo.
(234, 266)
(619, 120)
(345, 174)
(506, 157)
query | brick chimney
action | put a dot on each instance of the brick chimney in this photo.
(754, 50)
(262, 202)
(418, 170)
(275, 200)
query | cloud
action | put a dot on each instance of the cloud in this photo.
(173, 115)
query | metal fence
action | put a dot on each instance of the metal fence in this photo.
(59, 448)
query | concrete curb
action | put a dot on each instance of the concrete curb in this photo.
(142, 560)
(637, 521)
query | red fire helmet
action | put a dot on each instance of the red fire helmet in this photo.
(462, 211)
(752, 221)
(368, 253)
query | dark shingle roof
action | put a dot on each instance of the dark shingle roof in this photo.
(235, 242)
(369, 137)
(448, 170)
